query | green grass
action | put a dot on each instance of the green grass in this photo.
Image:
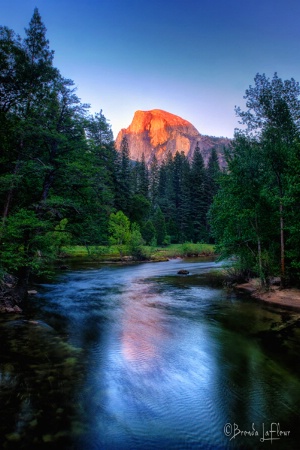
(183, 250)
(154, 253)
(92, 251)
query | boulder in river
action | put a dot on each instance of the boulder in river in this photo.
(183, 272)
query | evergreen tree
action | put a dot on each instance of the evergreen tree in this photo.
(11, 85)
(198, 206)
(154, 181)
(181, 196)
(44, 122)
(101, 160)
(27, 87)
(185, 203)
(99, 131)
(139, 208)
(211, 183)
(253, 215)
(148, 232)
(143, 178)
(159, 225)
(124, 178)
(273, 118)
(242, 214)
(166, 196)
(213, 172)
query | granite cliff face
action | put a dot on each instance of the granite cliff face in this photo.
(158, 132)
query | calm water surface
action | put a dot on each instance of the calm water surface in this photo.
(137, 357)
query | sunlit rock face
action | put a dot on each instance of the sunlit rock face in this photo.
(158, 132)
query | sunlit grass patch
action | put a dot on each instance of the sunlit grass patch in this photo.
(102, 252)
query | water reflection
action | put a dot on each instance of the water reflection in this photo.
(157, 373)
(136, 357)
(142, 332)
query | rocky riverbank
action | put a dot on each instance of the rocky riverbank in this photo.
(8, 299)
(284, 298)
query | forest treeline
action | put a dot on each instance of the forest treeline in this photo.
(63, 182)
(61, 177)
(255, 215)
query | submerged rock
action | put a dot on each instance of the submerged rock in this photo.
(10, 299)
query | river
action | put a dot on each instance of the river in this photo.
(137, 357)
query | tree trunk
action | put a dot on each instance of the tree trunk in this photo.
(260, 268)
(48, 184)
(50, 175)
(9, 195)
(282, 251)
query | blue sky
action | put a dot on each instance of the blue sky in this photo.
(193, 58)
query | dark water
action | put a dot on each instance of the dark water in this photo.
(137, 357)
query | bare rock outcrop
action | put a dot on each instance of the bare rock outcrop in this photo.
(158, 132)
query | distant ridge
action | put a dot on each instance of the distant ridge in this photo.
(158, 132)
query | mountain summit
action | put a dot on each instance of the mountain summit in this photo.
(158, 132)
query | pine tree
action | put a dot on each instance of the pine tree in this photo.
(166, 196)
(254, 214)
(185, 203)
(153, 181)
(211, 184)
(198, 207)
(38, 70)
(148, 232)
(27, 88)
(44, 120)
(101, 160)
(124, 178)
(143, 185)
(273, 118)
(159, 225)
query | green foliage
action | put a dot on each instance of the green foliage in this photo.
(167, 240)
(135, 243)
(148, 232)
(183, 250)
(61, 179)
(26, 242)
(139, 208)
(184, 191)
(190, 249)
(153, 182)
(125, 236)
(123, 177)
(199, 207)
(142, 177)
(119, 229)
(159, 225)
(58, 166)
(253, 215)
(60, 237)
